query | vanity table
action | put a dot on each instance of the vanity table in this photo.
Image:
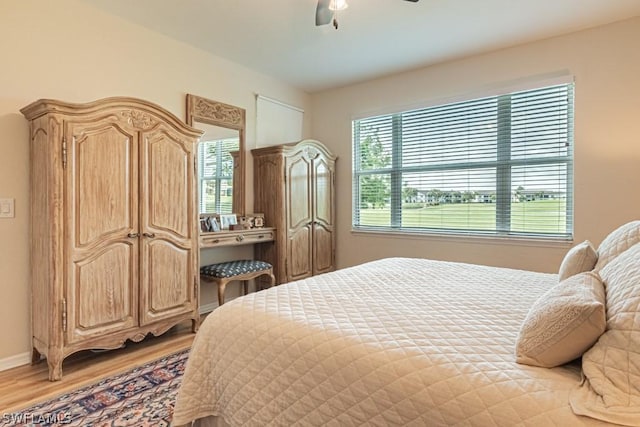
(221, 171)
(241, 270)
(221, 121)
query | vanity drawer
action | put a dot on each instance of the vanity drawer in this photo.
(233, 238)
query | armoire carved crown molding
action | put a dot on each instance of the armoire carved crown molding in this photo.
(138, 119)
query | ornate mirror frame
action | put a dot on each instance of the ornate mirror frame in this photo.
(216, 113)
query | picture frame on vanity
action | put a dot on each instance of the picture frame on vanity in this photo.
(243, 224)
(209, 223)
(255, 220)
(214, 225)
(227, 220)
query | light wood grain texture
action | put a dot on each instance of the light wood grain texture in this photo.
(114, 237)
(294, 187)
(23, 386)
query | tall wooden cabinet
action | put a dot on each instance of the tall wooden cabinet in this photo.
(114, 234)
(294, 185)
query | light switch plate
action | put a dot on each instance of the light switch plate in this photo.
(7, 208)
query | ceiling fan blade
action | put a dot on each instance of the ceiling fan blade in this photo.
(323, 13)
(413, 1)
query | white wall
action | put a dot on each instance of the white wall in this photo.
(67, 50)
(606, 64)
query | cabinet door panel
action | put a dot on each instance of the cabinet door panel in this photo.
(103, 168)
(299, 254)
(168, 212)
(169, 277)
(101, 187)
(323, 192)
(103, 295)
(322, 249)
(298, 192)
(168, 186)
(323, 230)
(299, 220)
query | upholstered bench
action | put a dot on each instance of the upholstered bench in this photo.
(243, 270)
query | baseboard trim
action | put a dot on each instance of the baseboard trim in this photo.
(208, 308)
(25, 358)
(15, 361)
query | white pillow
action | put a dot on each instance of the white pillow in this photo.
(580, 258)
(611, 368)
(563, 323)
(618, 241)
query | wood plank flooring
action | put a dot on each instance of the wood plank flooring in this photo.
(25, 385)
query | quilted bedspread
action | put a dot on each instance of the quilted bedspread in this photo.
(397, 341)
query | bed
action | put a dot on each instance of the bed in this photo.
(397, 341)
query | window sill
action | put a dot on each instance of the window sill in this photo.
(466, 238)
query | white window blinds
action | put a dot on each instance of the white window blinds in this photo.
(500, 165)
(216, 175)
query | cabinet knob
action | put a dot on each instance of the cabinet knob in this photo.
(240, 238)
(133, 235)
(149, 235)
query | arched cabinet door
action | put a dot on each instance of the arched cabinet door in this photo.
(323, 215)
(102, 274)
(299, 211)
(169, 246)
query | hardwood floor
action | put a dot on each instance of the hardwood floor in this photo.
(25, 385)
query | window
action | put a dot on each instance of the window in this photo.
(501, 166)
(215, 189)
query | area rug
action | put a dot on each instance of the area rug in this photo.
(144, 396)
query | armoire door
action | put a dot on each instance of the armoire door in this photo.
(169, 243)
(299, 261)
(323, 221)
(100, 161)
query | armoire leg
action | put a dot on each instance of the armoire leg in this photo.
(35, 356)
(55, 368)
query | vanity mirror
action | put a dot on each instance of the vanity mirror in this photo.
(221, 159)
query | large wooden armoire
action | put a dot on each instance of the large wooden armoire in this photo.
(114, 225)
(294, 186)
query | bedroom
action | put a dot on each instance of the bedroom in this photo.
(45, 58)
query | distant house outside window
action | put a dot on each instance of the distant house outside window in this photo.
(498, 166)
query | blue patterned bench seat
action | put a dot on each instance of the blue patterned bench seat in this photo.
(243, 270)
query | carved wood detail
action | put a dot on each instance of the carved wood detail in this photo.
(310, 153)
(223, 113)
(139, 119)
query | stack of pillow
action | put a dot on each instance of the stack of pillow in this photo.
(593, 312)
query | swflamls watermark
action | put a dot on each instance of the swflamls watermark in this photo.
(37, 418)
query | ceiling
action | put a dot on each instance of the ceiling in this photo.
(375, 37)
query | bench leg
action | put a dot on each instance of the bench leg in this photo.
(272, 278)
(245, 287)
(221, 286)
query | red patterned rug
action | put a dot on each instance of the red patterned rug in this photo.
(143, 396)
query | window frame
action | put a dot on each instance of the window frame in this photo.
(503, 165)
